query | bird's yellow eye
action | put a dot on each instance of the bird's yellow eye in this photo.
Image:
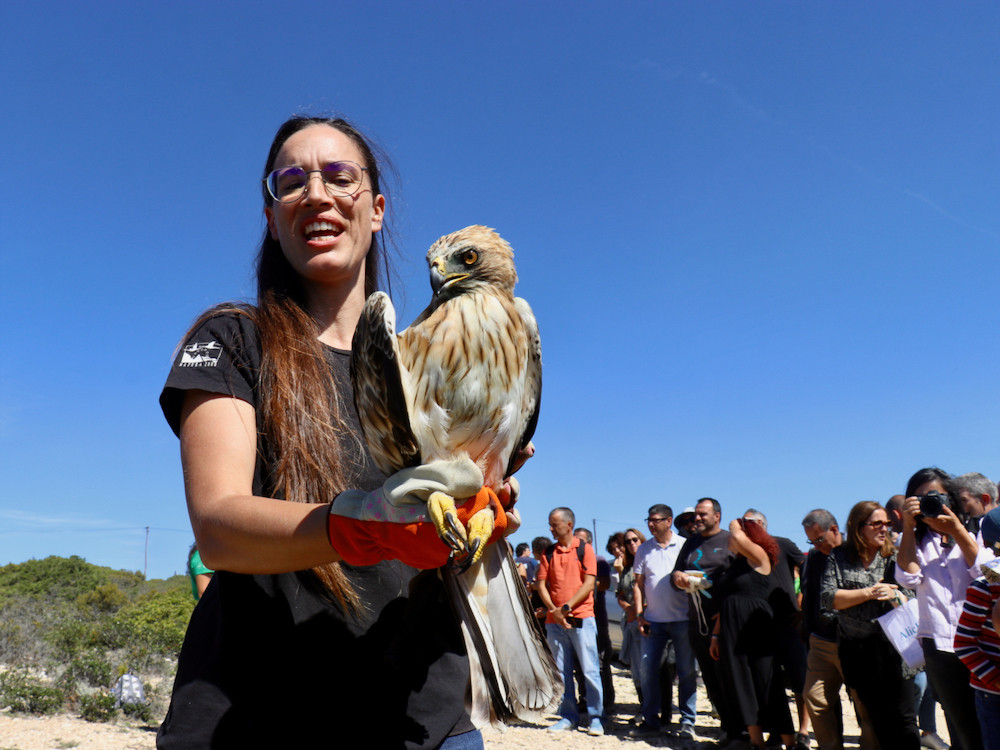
(469, 257)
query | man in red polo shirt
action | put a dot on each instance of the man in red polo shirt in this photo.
(566, 586)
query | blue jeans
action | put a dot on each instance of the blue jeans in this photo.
(469, 741)
(926, 705)
(988, 708)
(653, 646)
(568, 645)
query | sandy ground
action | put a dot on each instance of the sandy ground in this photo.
(52, 733)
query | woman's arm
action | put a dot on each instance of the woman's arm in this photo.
(906, 559)
(753, 552)
(236, 530)
(950, 524)
(847, 598)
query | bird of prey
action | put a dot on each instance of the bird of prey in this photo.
(465, 380)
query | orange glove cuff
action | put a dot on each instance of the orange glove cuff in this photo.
(416, 544)
(369, 542)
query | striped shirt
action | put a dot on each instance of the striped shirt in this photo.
(976, 641)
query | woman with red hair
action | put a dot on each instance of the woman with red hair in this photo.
(743, 638)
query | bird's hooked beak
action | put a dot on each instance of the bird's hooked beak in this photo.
(440, 278)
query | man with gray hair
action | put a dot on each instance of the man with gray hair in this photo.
(976, 495)
(566, 576)
(823, 673)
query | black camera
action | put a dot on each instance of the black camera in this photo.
(933, 504)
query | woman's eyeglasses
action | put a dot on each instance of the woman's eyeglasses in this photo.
(340, 178)
(879, 525)
(632, 540)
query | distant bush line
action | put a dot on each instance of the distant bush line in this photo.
(69, 630)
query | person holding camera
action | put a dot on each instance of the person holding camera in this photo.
(939, 558)
(566, 576)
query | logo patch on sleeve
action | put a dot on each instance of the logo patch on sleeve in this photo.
(201, 355)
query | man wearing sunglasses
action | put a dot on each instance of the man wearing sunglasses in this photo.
(662, 613)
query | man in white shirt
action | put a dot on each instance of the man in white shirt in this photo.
(663, 617)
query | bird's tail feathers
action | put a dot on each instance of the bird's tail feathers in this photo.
(513, 673)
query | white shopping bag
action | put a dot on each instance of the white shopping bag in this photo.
(900, 626)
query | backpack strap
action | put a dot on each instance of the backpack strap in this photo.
(581, 549)
(549, 552)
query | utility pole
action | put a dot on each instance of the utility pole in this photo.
(145, 559)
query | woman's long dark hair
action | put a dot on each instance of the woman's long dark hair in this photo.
(303, 441)
(295, 378)
(920, 478)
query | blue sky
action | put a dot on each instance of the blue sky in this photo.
(761, 239)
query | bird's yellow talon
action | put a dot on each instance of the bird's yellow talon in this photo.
(480, 531)
(441, 509)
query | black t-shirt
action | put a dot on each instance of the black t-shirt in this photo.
(784, 600)
(271, 660)
(711, 555)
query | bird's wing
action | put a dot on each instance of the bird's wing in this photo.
(532, 398)
(512, 669)
(381, 387)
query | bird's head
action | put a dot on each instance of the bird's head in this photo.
(471, 258)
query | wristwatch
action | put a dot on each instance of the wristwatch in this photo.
(566, 609)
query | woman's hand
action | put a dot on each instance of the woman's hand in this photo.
(713, 647)
(882, 591)
(947, 523)
(911, 512)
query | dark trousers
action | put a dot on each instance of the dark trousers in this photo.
(874, 670)
(711, 675)
(949, 679)
(668, 673)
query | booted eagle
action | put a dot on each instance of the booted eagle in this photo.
(465, 379)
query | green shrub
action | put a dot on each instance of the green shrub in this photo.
(155, 620)
(52, 579)
(88, 625)
(107, 598)
(72, 636)
(24, 694)
(139, 711)
(98, 706)
(93, 669)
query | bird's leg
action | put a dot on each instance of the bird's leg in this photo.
(441, 508)
(480, 531)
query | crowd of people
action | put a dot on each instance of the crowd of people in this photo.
(769, 627)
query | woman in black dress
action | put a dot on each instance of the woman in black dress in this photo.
(743, 637)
